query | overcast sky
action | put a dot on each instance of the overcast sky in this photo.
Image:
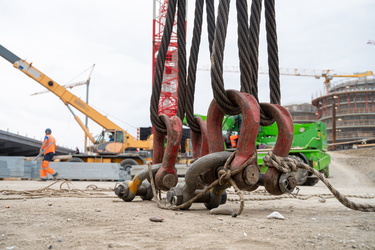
(64, 38)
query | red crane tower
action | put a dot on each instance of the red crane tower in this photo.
(168, 96)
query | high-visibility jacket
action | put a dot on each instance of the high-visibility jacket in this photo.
(233, 140)
(50, 144)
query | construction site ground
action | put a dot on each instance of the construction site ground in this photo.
(97, 219)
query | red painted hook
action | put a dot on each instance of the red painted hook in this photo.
(283, 143)
(166, 177)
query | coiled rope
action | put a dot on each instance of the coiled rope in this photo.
(286, 164)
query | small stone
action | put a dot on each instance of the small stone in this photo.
(97, 210)
(156, 219)
(275, 215)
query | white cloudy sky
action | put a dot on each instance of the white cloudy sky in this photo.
(64, 38)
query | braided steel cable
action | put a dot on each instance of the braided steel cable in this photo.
(210, 10)
(192, 68)
(273, 58)
(256, 8)
(181, 40)
(243, 47)
(217, 57)
(160, 61)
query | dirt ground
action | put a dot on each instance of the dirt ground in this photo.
(99, 220)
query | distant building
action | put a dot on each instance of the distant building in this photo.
(303, 113)
(348, 110)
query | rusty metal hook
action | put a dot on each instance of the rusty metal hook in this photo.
(246, 147)
(166, 177)
(199, 141)
(282, 147)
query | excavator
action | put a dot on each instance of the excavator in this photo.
(111, 144)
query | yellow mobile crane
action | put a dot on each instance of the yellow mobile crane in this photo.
(110, 145)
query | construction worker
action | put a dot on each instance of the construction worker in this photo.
(48, 149)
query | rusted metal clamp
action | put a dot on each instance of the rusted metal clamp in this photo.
(275, 181)
(166, 177)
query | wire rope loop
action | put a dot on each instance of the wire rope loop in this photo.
(159, 68)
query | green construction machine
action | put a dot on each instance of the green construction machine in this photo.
(309, 145)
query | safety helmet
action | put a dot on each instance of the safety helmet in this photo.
(48, 131)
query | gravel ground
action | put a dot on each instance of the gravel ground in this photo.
(97, 219)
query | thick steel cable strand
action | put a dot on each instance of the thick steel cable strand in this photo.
(273, 58)
(160, 61)
(255, 17)
(243, 47)
(210, 10)
(217, 57)
(181, 41)
(256, 9)
(192, 68)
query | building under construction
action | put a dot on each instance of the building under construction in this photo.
(302, 113)
(348, 110)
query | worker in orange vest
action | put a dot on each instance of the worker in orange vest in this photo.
(48, 149)
(233, 140)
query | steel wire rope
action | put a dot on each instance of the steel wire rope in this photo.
(272, 48)
(181, 38)
(193, 59)
(192, 68)
(210, 10)
(256, 8)
(243, 47)
(255, 17)
(217, 81)
(160, 61)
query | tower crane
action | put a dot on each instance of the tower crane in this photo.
(326, 74)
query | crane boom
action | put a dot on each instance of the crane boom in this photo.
(70, 99)
(326, 74)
